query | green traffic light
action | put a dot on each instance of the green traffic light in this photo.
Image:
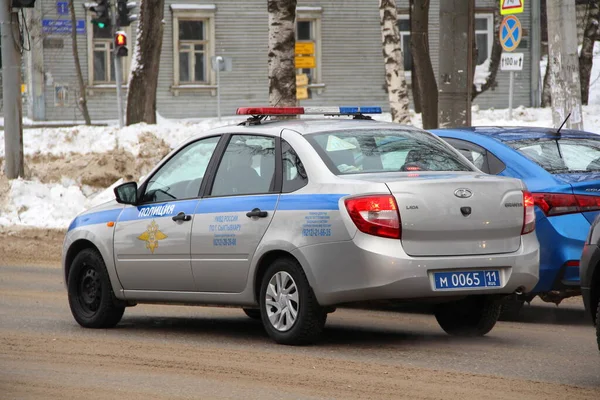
(101, 25)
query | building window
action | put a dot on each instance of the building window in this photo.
(193, 46)
(101, 57)
(404, 28)
(484, 36)
(308, 30)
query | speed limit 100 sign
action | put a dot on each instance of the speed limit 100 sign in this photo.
(511, 62)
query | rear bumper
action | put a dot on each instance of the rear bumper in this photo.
(373, 268)
(561, 240)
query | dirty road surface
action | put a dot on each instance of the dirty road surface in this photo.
(178, 352)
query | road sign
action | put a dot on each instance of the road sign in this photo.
(511, 6)
(511, 62)
(305, 62)
(301, 80)
(302, 93)
(62, 8)
(305, 48)
(510, 33)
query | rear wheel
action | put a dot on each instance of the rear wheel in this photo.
(598, 325)
(472, 316)
(252, 313)
(91, 298)
(289, 310)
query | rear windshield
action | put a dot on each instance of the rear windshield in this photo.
(381, 150)
(562, 155)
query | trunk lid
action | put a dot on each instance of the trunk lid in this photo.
(459, 214)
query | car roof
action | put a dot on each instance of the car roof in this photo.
(516, 133)
(307, 126)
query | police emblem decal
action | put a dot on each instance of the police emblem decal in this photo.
(152, 236)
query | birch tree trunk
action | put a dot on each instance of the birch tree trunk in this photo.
(143, 77)
(495, 57)
(422, 68)
(587, 49)
(394, 63)
(281, 55)
(82, 100)
(564, 73)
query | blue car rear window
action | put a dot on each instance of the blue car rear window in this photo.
(561, 155)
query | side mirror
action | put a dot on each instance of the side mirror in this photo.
(126, 193)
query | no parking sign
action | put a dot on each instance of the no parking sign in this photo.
(510, 33)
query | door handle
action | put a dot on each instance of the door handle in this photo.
(182, 217)
(257, 213)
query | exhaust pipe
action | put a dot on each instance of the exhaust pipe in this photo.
(519, 291)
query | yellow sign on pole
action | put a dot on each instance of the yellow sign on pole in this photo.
(305, 62)
(302, 93)
(305, 48)
(23, 88)
(511, 7)
(301, 80)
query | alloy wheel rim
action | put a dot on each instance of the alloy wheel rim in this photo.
(282, 303)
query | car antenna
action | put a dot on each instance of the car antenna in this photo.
(563, 124)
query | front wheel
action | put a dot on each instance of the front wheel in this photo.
(91, 298)
(289, 310)
(598, 325)
(472, 316)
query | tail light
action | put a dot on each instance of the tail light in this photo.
(528, 213)
(560, 203)
(376, 215)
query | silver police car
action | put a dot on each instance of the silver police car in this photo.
(289, 218)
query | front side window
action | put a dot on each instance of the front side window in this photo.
(562, 155)
(384, 150)
(181, 176)
(247, 167)
(102, 58)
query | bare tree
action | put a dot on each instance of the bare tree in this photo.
(394, 63)
(281, 55)
(495, 57)
(143, 78)
(587, 49)
(82, 101)
(423, 73)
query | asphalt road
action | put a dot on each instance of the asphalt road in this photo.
(199, 352)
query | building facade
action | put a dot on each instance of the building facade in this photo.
(347, 43)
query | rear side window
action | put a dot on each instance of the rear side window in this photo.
(384, 150)
(562, 155)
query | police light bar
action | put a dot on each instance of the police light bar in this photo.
(307, 110)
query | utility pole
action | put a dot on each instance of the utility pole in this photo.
(455, 66)
(11, 92)
(118, 63)
(562, 54)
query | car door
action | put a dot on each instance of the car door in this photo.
(235, 213)
(152, 239)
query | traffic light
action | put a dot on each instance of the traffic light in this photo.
(121, 44)
(123, 10)
(23, 3)
(102, 11)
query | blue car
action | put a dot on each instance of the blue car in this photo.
(562, 170)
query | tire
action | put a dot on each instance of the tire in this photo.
(511, 309)
(253, 313)
(91, 298)
(310, 317)
(472, 316)
(598, 325)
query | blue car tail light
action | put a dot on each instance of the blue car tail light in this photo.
(560, 203)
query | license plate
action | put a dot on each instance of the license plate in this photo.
(471, 279)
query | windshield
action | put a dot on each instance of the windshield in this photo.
(562, 155)
(385, 150)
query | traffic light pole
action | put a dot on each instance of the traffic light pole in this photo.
(11, 92)
(118, 65)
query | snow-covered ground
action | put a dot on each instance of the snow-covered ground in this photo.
(53, 205)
